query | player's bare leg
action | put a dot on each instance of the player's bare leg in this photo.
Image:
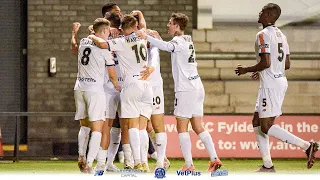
(268, 127)
(185, 143)
(115, 137)
(94, 143)
(157, 121)
(205, 137)
(124, 125)
(104, 145)
(83, 139)
(144, 143)
(263, 144)
(134, 139)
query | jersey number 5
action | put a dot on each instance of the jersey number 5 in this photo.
(140, 52)
(280, 51)
(85, 57)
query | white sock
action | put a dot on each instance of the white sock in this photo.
(83, 138)
(127, 153)
(134, 140)
(287, 137)
(144, 145)
(115, 137)
(101, 157)
(94, 145)
(185, 145)
(208, 143)
(161, 145)
(263, 144)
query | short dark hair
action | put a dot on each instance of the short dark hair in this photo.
(180, 19)
(107, 7)
(114, 19)
(274, 10)
(128, 21)
(99, 23)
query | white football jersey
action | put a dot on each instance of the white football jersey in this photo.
(155, 77)
(184, 65)
(91, 66)
(108, 86)
(132, 55)
(272, 41)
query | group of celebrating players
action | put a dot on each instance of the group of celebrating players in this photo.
(119, 91)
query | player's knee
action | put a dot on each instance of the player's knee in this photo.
(265, 129)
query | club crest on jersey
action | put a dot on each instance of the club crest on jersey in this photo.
(263, 46)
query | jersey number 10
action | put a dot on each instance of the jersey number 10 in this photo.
(140, 52)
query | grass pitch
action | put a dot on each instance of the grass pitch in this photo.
(232, 165)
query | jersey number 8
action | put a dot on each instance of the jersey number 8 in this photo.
(85, 57)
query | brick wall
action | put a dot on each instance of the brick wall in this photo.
(49, 33)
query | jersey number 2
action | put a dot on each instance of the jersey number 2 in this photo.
(191, 58)
(85, 57)
(140, 52)
(280, 51)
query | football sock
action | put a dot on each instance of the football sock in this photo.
(263, 144)
(208, 143)
(185, 145)
(134, 139)
(287, 137)
(144, 144)
(83, 139)
(161, 145)
(101, 157)
(151, 147)
(115, 137)
(94, 145)
(127, 154)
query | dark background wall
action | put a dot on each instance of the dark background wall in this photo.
(49, 33)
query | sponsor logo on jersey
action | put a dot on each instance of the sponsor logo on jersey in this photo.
(263, 46)
(86, 79)
(193, 77)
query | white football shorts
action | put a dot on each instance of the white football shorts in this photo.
(136, 99)
(112, 105)
(269, 102)
(158, 99)
(90, 104)
(189, 104)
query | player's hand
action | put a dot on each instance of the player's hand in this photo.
(141, 34)
(118, 88)
(91, 36)
(255, 76)
(240, 70)
(76, 27)
(153, 33)
(90, 29)
(114, 32)
(135, 13)
(146, 73)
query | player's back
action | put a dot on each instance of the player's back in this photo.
(132, 56)
(273, 41)
(184, 65)
(91, 66)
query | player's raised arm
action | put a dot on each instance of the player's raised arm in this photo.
(101, 43)
(142, 22)
(163, 45)
(74, 38)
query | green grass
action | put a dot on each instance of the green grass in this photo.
(233, 166)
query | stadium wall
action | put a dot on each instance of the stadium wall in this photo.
(49, 33)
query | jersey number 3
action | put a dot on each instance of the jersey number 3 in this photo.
(140, 52)
(85, 58)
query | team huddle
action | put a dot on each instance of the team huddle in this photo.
(119, 91)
